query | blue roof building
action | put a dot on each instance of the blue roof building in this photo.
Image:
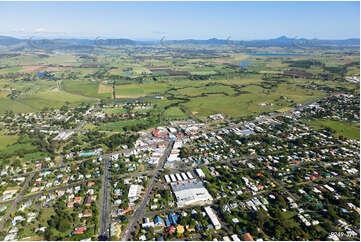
(41, 74)
(160, 238)
(199, 227)
(173, 218)
(167, 223)
(158, 220)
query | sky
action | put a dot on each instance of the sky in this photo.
(181, 20)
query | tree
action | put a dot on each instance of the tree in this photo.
(49, 234)
(114, 238)
(63, 225)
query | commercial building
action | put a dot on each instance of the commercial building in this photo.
(134, 192)
(213, 217)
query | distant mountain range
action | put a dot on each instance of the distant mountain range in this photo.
(13, 43)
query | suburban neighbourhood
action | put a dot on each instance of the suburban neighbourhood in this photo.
(180, 121)
(211, 180)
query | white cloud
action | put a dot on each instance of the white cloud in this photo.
(39, 30)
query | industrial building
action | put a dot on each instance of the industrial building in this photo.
(191, 192)
(200, 173)
(167, 179)
(172, 177)
(189, 175)
(179, 177)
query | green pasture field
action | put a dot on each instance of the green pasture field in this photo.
(24, 151)
(139, 90)
(175, 113)
(250, 102)
(6, 140)
(54, 99)
(10, 150)
(84, 88)
(198, 90)
(34, 95)
(12, 69)
(26, 87)
(346, 129)
(62, 59)
(21, 60)
(192, 95)
(7, 104)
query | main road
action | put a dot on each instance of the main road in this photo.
(139, 211)
(15, 202)
(105, 203)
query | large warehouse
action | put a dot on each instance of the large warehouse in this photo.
(191, 193)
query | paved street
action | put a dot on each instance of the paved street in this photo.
(37, 194)
(139, 211)
(14, 203)
(105, 203)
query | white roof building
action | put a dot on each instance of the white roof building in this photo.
(189, 175)
(191, 193)
(213, 217)
(167, 179)
(235, 237)
(200, 173)
(179, 178)
(134, 192)
(172, 177)
(184, 176)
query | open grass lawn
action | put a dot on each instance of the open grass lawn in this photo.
(115, 110)
(36, 102)
(353, 71)
(36, 156)
(118, 126)
(12, 69)
(347, 129)
(6, 140)
(12, 149)
(7, 104)
(32, 96)
(25, 151)
(286, 109)
(53, 99)
(140, 90)
(198, 90)
(129, 91)
(175, 113)
(250, 102)
(85, 88)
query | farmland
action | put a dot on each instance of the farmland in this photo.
(203, 81)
